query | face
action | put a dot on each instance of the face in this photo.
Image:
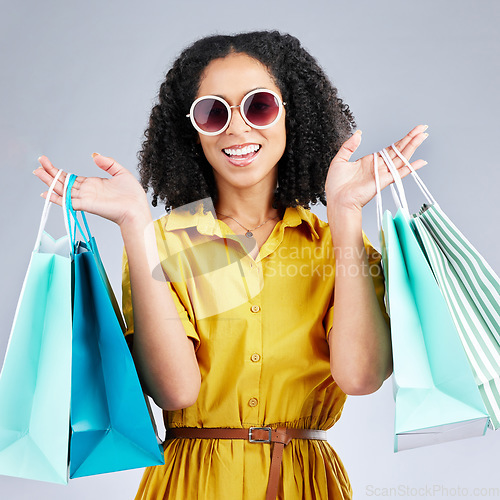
(231, 78)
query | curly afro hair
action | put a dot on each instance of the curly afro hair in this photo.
(317, 122)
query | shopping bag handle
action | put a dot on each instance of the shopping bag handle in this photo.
(416, 177)
(399, 195)
(46, 210)
(70, 210)
(400, 198)
(380, 211)
(399, 184)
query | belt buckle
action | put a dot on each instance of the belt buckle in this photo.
(252, 440)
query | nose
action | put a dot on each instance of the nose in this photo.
(237, 125)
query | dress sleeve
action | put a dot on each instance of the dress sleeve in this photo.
(376, 272)
(128, 312)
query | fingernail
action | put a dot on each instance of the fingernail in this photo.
(358, 132)
(425, 127)
(425, 136)
(41, 195)
(95, 154)
(425, 163)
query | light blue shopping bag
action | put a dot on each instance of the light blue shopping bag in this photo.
(471, 289)
(36, 374)
(111, 424)
(436, 397)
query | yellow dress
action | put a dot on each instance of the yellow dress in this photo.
(260, 328)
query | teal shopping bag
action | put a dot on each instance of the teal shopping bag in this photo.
(36, 374)
(436, 397)
(111, 424)
(472, 292)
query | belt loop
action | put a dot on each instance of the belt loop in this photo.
(282, 439)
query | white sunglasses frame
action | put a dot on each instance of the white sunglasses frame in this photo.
(229, 108)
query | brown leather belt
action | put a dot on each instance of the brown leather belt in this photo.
(280, 437)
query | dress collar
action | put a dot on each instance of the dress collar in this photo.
(206, 223)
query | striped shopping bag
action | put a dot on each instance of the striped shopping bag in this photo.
(471, 290)
(437, 399)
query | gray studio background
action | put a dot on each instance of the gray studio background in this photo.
(79, 77)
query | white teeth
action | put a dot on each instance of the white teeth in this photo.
(242, 151)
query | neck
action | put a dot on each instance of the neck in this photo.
(248, 207)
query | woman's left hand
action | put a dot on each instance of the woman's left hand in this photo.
(351, 185)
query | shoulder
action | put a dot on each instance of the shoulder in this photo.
(303, 217)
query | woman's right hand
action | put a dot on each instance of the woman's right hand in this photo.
(118, 199)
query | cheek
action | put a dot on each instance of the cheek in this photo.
(207, 145)
(280, 137)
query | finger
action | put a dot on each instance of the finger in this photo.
(410, 142)
(54, 197)
(107, 164)
(47, 178)
(46, 165)
(406, 152)
(47, 172)
(410, 148)
(387, 178)
(414, 132)
(49, 168)
(405, 170)
(347, 149)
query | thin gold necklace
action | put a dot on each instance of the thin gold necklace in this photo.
(248, 233)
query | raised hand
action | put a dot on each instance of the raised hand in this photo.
(351, 185)
(117, 199)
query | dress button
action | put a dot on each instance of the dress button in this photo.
(255, 357)
(255, 308)
(253, 402)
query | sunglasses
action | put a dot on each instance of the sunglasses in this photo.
(210, 114)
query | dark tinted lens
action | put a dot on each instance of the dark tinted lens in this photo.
(210, 115)
(261, 108)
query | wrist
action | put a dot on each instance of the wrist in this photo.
(135, 220)
(344, 222)
(345, 214)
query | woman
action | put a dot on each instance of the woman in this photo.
(245, 355)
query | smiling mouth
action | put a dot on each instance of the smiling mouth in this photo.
(244, 152)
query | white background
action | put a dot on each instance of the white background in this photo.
(78, 77)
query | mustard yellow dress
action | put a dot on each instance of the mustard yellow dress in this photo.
(260, 326)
